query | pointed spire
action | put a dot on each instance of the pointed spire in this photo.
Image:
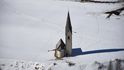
(68, 24)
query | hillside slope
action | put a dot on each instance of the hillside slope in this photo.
(28, 29)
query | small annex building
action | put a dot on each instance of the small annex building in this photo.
(60, 49)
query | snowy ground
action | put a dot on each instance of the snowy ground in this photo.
(60, 65)
(29, 28)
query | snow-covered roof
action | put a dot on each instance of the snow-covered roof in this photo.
(60, 45)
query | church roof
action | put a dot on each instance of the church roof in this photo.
(60, 45)
(68, 24)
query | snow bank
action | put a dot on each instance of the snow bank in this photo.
(60, 65)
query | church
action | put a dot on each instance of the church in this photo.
(65, 49)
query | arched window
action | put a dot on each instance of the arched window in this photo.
(68, 37)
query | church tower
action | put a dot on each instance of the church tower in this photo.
(68, 36)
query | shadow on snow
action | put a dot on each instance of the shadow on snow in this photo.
(78, 51)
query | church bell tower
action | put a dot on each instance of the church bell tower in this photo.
(68, 36)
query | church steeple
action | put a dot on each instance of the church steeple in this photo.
(68, 24)
(68, 36)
